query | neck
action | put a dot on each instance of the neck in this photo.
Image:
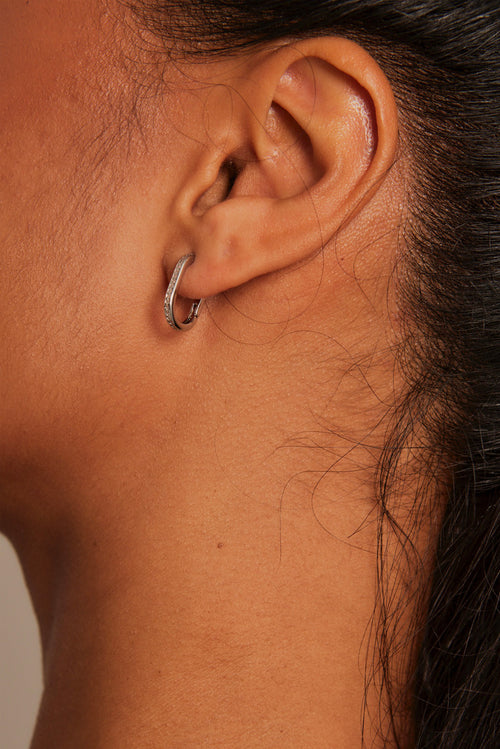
(201, 630)
(216, 591)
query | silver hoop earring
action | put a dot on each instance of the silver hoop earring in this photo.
(171, 295)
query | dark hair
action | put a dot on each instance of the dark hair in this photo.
(442, 58)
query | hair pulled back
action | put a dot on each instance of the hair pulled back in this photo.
(442, 59)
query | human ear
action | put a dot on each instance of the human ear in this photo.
(313, 133)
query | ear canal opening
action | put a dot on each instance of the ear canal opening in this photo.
(233, 171)
(220, 189)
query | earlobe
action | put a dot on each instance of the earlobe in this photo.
(321, 121)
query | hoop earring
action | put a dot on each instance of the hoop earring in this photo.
(171, 295)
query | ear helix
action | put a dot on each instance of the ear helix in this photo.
(171, 295)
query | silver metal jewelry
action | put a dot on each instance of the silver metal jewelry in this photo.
(171, 295)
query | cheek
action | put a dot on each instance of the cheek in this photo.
(82, 330)
(75, 308)
(61, 169)
(85, 196)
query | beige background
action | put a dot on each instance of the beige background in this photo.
(20, 666)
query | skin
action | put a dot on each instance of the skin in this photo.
(194, 512)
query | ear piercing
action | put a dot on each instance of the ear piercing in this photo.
(171, 295)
